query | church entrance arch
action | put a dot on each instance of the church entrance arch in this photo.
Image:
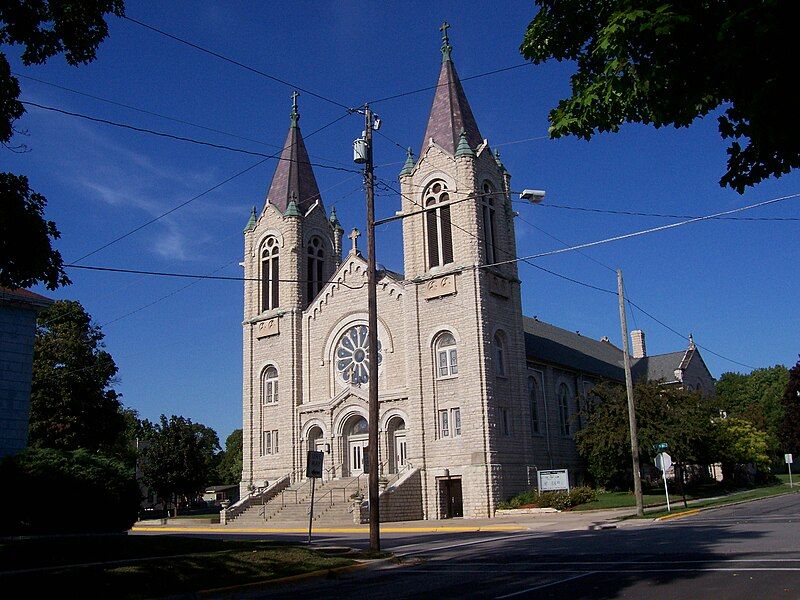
(356, 440)
(396, 434)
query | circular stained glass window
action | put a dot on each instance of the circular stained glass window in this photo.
(352, 356)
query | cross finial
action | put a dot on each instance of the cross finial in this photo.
(446, 47)
(295, 115)
(354, 235)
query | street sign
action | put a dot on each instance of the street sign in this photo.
(314, 460)
(552, 480)
(788, 458)
(662, 446)
(663, 461)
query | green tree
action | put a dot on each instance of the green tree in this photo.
(789, 431)
(678, 417)
(737, 443)
(44, 29)
(72, 403)
(757, 398)
(177, 460)
(662, 62)
(229, 470)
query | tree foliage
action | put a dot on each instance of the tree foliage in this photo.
(790, 427)
(757, 398)
(229, 469)
(43, 29)
(72, 403)
(178, 457)
(663, 62)
(688, 421)
(56, 491)
(27, 256)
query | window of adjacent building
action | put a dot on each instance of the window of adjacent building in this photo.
(488, 221)
(450, 423)
(439, 234)
(563, 409)
(269, 386)
(269, 443)
(446, 356)
(533, 399)
(269, 274)
(315, 259)
(499, 354)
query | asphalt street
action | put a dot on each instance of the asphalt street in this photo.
(750, 551)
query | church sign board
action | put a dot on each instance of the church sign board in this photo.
(553, 480)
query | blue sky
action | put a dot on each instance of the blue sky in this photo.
(732, 284)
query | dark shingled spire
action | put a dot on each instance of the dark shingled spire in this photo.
(450, 113)
(294, 175)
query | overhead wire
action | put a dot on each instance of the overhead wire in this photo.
(660, 215)
(234, 62)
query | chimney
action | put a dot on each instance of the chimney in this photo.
(639, 349)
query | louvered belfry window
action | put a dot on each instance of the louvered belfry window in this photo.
(439, 231)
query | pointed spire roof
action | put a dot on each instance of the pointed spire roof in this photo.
(450, 112)
(294, 174)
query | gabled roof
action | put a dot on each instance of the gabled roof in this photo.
(22, 296)
(450, 113)
(658, 367)
(552, 344)
(294, 177)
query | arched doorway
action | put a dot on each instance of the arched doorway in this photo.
(356, 439)
(396, 438)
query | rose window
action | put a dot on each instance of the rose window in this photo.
(352, 355)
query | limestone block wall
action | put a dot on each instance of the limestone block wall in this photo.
(17, 330)
(401, 501)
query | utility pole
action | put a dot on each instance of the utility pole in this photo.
(372, 308)
(637, 476)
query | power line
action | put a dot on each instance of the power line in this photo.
(155, 114)
(661, 215)
(433, 87)
(197, 276)
(193, 198)
(234, 62)
(181, 138)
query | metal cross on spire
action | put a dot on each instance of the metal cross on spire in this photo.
(446, 47)
(295, 113)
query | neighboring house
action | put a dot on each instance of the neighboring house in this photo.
(685, 369)
(18, 310)
(215, 495)
(473, 397)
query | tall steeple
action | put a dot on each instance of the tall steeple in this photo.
(293, 175)
(450, 112)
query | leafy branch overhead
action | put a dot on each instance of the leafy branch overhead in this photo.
(660, 62)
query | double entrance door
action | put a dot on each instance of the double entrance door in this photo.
(356, 454)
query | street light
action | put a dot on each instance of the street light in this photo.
(534, 196)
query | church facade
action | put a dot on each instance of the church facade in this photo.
(461, 402)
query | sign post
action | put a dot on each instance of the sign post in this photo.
(663, 463)
(314, 461)
(788, 459)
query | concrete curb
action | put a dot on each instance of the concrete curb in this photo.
(365, 530)
(678, 515)
(694, 511)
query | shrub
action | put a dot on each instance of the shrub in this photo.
(56, 491)
(557, 500)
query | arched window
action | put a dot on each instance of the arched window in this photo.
(533, 399)
(446, 356)
(439, 233)
(499, 354)
(488, 220)
(269, 385)
(563, 409)
(315, 259)
(269, 274)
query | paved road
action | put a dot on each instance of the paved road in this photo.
(748, 551)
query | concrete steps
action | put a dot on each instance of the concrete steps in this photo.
(332, 505)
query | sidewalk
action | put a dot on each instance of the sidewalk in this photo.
(566, 521)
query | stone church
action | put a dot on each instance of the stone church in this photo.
(474, 398)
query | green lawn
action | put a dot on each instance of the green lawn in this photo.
(148, 566)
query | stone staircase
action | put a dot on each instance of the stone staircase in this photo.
(333, 504)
